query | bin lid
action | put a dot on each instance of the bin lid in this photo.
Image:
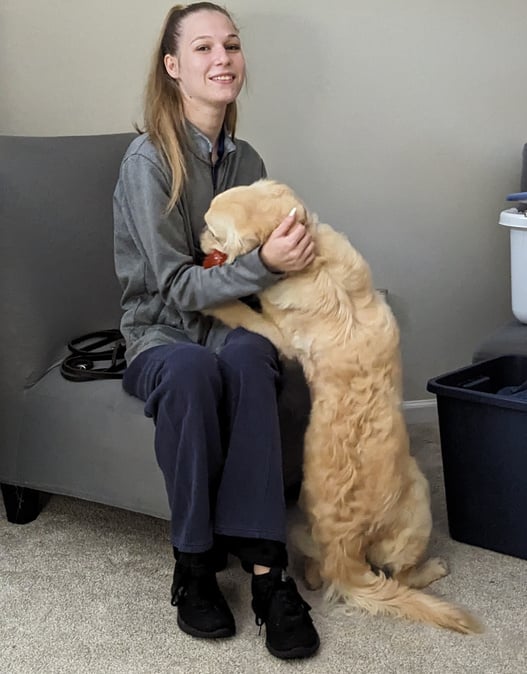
(512, 218)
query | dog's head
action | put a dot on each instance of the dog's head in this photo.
(242, 218)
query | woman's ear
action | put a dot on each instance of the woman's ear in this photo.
(171, 66)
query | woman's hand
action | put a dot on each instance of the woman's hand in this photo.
(289, 248)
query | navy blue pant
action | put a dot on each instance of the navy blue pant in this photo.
(217, 437)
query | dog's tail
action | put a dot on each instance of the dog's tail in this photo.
(379, 594)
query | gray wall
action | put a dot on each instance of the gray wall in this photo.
(400, 122)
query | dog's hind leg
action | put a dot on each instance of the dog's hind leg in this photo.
(401, 544)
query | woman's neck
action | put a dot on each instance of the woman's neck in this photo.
(208, 120)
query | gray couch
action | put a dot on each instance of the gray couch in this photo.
(88, 440)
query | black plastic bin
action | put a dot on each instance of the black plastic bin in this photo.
(484, 447)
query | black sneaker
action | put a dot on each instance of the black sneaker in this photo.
(202, 609)
(290, 632)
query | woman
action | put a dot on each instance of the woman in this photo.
(210, 391)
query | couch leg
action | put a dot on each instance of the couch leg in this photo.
(22, 505)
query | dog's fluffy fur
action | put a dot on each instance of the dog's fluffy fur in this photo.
(366, 500)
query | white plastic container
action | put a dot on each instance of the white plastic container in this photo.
(517, 223)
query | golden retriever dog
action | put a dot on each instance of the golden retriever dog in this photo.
(366, 501)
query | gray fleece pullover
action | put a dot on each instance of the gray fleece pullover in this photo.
(157, 255)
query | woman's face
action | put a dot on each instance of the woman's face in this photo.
(209, 65)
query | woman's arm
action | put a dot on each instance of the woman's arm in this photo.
(165, 243)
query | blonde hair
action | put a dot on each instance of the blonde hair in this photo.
(164, 117)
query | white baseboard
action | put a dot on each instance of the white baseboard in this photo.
(420, 411)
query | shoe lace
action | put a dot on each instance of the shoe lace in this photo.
(292, 600)
(179, 585)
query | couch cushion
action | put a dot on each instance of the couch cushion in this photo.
(92, 441)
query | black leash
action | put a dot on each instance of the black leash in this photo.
(89, 350)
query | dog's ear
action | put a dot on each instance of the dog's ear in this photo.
(236, 227)
(290, 200)
(277, 192)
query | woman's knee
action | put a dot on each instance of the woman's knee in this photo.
(187, 366)
(244, 349)
(185, 376)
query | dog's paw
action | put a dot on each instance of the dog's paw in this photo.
(433, 569)
(437, 567)
(424, 574)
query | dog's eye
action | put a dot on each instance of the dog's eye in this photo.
(208, 231)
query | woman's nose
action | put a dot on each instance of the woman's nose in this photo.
(222, 55)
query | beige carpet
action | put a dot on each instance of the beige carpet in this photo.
(84, 590)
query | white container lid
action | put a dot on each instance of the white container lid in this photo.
(511, 218)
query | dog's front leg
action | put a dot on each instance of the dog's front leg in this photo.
(238, 315)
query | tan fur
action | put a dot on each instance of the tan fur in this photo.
(367, 503)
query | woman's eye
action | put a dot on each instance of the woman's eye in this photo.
(228, 47)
